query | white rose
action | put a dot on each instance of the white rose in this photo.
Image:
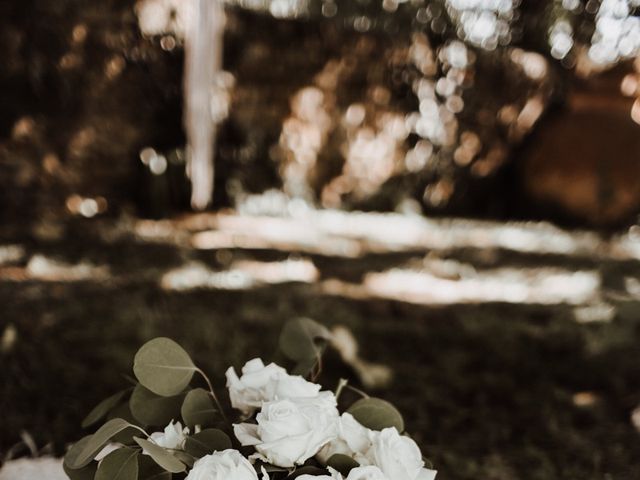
(427, 474)
(173, 436)
(335, 475)
(398, 456)
(358, 473)
(367, 473)
(353, 440)
(260, 383)
(224, 465)
(289, 432)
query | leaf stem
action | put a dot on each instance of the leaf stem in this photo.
(341, 384)
(214, 396)
(317, 367)
(358, 391)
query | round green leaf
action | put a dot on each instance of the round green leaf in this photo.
(71, 458)
(159, 476)
(184, 457)
(198, 408)
(124, 412)
(342, 463)
(206, 442)
(102, 409)
(377, 414)
(148, 469)
(151, 409)
(161, 456)
(303, 341)
(163, 366)
(121, 464)
(97, 441)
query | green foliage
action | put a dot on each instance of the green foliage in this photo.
(206, 442)
(161, 456)
(151, 409)
(342, 463)
(163, 366)
(377, 414)
(148, 469)
(121, 464)
(198, 408)
(103, 408)
(94, 443)
(164, 371)
(124, 412)
(303, 341)
(71, 458)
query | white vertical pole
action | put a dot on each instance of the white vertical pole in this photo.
(203, 63)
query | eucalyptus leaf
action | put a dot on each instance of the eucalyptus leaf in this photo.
(162, 457)
(198, 408)
(97, 441)
(124, 412)
(87, 472)
(303, 341)
(377, 414)
(163, 366)
(71, 457)
(121, 464)
(206, 442)
(303, 367)
(184, 457)
(342, 463)
(148, 469)
(103, 408)
(151, 409)
(159, 476)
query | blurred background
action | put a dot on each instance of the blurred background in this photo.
(456, 181)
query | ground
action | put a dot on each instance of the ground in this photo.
(498, 389)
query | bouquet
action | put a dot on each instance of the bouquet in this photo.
(285, 426)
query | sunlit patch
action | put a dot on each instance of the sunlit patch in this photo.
(114, 67)
(87, 207)
(241, 275)
(510, 285)
(303, 135)
(635, 111)
(46, 269)
(353, 235)
(617, 32)
(157, 17)
(69, 61)
(561, 39)
(585, 399)
(632, 286)
(8, 339)
(530, 113)
(534, 65)
(23, 128)
(484, 23)
(11, 254)
(81, 141)
(79, 34)
(596, 312)
(156, 162)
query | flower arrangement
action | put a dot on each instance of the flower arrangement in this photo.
(285, 426)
